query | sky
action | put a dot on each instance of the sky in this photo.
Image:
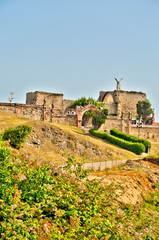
(77, 47)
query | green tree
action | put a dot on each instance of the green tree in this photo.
(99, 118)
(144, 109)
(83, 101)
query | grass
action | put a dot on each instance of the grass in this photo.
(50, 152)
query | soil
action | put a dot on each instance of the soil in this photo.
(133, 181)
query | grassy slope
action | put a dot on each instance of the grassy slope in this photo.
(50, 152)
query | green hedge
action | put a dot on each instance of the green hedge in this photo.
(137, 148)
(131, 138)
(16, 136)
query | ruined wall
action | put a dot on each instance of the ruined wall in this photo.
(127, 101)
(150, 133)
(111, 122)
(32, 111)
(37, 113)
(116, 122)
(50, 98)
(110, 101)
(67, 104)
(119, 101)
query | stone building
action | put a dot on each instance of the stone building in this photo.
(52, 107)
(53, 101)
(119, 101)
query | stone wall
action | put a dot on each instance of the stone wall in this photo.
(33, 111)
(119, 101)
(150, 133)
(127, 101)
(38, 113)
(49, 99)
(67, 104)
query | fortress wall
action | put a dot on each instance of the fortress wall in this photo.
(111, 122)
(33, 111)
(37, 113)
(112, 108)
(50, 98)
(127, 101)
(66, 104)
(7, 108)
(150, 133)
(31, 98)
(119, 101)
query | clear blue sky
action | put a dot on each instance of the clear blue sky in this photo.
(77, 47)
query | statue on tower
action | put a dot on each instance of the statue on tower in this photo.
(118, 83)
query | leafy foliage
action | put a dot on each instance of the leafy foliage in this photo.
(16, 136)
(137, 148)
(83, 101)
(144, 109)
(99, 118)
(130, 138)
(51, 203)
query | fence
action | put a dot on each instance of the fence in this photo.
(103, 165)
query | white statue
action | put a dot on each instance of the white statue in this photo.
(118, 83)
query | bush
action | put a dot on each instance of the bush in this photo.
(16, 136)
(83, 101)
(48, 203)
(137, 148)
(99, 118)
(131, 138)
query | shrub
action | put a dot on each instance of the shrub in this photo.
(83, 101)
(48, 203)
(137, 148)
(99, 118)
(16, 136)
(131, 138)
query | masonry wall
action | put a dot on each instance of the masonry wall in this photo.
(127, 101)
(67, 104)
(147, 132)
(111, 122)
(38, 113)
(49, 99)
(33, 111)
(119, 101)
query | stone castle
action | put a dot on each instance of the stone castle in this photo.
(52, 107)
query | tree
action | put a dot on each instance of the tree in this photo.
(99, 118)
(144, 109)
(83, 101)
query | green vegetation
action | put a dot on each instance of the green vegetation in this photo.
(83, 101)
(137, 148)
(131, 138)
(48, 203)
(144, 109)
(99, 118)
(16, 136)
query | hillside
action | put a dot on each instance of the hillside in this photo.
(54, 143)
(45, 202)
